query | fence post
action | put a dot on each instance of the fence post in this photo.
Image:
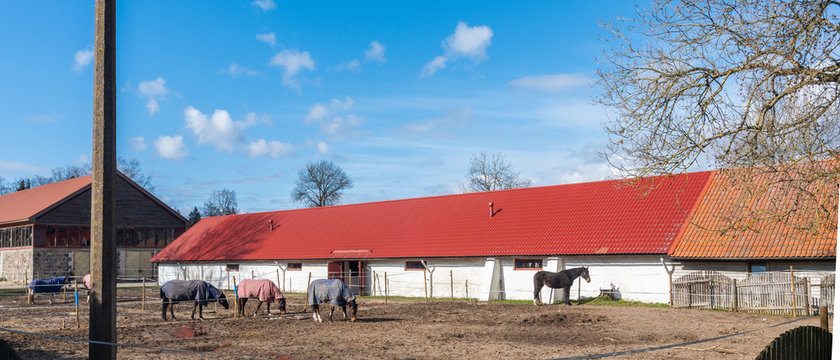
(235, 300)
(451, 286)
(76, 295)
(808, 294)
(733, 293)
(824, 316)
(373, 286)
(711, 294)
(386, 288)
(308, 280)
(143, 295)
(425, 287)
(467, 288)
(793, 290)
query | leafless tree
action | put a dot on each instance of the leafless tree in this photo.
(131, 168)
(221, 202)
(488, 172)
(321, 184)
(748, 86)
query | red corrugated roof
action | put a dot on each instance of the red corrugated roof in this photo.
(21, 206)
(606, 217)
(756, 232)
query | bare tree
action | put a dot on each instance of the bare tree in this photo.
(749, 86)
(321, 184)
(131, 168)
(5, 186)
(221, 202)
(488, 172)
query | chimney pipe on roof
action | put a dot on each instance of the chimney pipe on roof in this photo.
(491, 210)
(271, 224)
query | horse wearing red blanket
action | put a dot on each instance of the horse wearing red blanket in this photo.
(263, 290)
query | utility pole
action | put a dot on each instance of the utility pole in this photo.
(103, 305)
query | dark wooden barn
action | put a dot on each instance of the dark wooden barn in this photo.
(45, 231)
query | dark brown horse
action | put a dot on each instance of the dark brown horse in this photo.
(555, 280)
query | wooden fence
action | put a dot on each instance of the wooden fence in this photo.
(767, 293)
(703, 290)
(804, 342)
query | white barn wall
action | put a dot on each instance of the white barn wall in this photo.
(217, 274)
(637, 277)
(402, 282)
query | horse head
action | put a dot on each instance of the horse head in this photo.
(585, 273)
(353, 309)
(281, 303)
(223, 300)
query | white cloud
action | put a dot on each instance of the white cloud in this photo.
(292, 61)
(552, 83)
(82, 59)
(138, 143)
(331, 118)
(81, 160)
(375, 53)
(323, 148)
(264, 5)
(454, 119)
(316, 113)
(44, 118)
(267, 38)
(341, 124)
(467, 41)
(14, 167)
(352, 65)
(273, 149)
(218, 129)
(153, 90)
(431, 67)
(171, 147)
(235, 70)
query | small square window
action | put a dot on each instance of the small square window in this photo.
(528, 264)
(233, 267)
(294, 266)
(758, 267)
(414, 265)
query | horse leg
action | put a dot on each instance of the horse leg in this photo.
(195, 306)
(259, 304)
(200, 314)
(332, 309)
(171, 308)
(538, 284)
(566, 293)
(268, 308)
(163, 304)
(344, 309)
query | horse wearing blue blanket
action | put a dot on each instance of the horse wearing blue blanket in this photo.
(51, 286)
(197, 291)
(334, 291)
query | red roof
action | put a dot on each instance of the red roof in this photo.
(22, 206)
(757, 232)
(606, 217)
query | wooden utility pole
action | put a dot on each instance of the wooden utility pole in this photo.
(103, 305)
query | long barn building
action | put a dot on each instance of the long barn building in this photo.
(485, 245)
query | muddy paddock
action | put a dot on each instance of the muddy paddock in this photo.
(402, 329)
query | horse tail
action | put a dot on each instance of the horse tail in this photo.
(538, 284)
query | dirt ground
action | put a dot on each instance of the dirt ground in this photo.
(403, 329)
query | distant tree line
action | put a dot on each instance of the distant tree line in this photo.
(129, 167)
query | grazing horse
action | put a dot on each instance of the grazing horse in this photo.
(337, 293)
(264, 290)
(556, 280)
(51, 286)
(200, 292)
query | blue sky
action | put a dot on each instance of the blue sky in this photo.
(242, 95)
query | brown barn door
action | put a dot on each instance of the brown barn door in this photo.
(335, 270)
(81, 263)
(137, 264)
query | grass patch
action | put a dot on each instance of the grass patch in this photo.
(603, 301)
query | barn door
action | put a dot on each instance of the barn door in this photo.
(335, 270)
(137, 264)
(81, 263)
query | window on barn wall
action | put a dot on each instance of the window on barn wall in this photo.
(84, 236)
(528, 264)
(294, 266)
(233, 267)
(757, 267)
(414, 265)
